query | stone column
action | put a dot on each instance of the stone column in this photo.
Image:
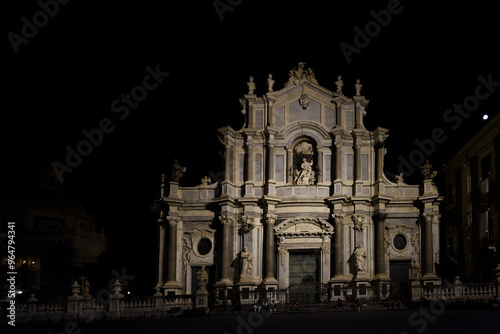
(338, 160)
(357, 163)
(172, 249)
(338, 268)
(429, 251)
(379, 220)
(227, 161)
(289, 165)
(269, 244)
(161, 251)
(271, 165)
(250, 160)
(227, 222)
(319, 149)
(380, 161)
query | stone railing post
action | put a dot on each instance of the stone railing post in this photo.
(458, 288)
(32, 306)
(115, 301)
(73, 303)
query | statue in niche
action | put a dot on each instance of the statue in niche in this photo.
(251, 86)
(177, 171)
(270, 83)
(246, 262)
(414, 270)
(306, 175)
(360, 258)
(202, 278)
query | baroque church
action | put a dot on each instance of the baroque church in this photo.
(304, 201)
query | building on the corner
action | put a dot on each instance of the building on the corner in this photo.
(304, 201)
(470, 229)
(57, 240)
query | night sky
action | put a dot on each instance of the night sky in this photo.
(70, 76)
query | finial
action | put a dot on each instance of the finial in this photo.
(251, 86)
(358, 87)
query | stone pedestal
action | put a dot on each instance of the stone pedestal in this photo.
(416, 290)
(382, 287)
(201, 301)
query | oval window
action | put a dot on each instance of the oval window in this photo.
(400, 242)
(204, 246)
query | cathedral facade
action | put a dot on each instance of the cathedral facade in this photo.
(304, 200)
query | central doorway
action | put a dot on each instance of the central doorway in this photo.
(400, 280)
(303, 267)
(305, 282)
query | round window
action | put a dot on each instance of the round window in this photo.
(204, 246)
(400, 242)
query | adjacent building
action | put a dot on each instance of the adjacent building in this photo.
(56, 239)
(471, 234)
(304, 202)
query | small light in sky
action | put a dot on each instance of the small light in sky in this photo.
(485, 117)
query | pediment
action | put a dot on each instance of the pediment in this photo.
(304, 226)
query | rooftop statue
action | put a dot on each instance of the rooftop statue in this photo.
(300, 72)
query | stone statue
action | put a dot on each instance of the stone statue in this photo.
(270, 83)
(300, 72)
(414, 270)
(305, 176)
(339, 84)
(426, 171)
(205, 181)
(246, 262)
(177, 171)
(399, 178)
(202, 277)
(360, 258)
(243, 105)
(251, 86)
(86, 289)
(358, 87)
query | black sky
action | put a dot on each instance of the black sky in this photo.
(65, 79)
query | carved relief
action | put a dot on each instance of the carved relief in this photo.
(197, 247)
(247, 224)
(282, 251)
(304, 101)
(300, 72)
(358, 221)
(326, 251)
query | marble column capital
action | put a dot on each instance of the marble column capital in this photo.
(338, 218)
(226, 220)
(270, 218)
(172, 221)
(379, 217)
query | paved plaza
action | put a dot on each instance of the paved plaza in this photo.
(383, 321)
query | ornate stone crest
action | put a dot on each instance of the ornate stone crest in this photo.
(358, 221)
(300, 72)
(246, 224)
(304, 101)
